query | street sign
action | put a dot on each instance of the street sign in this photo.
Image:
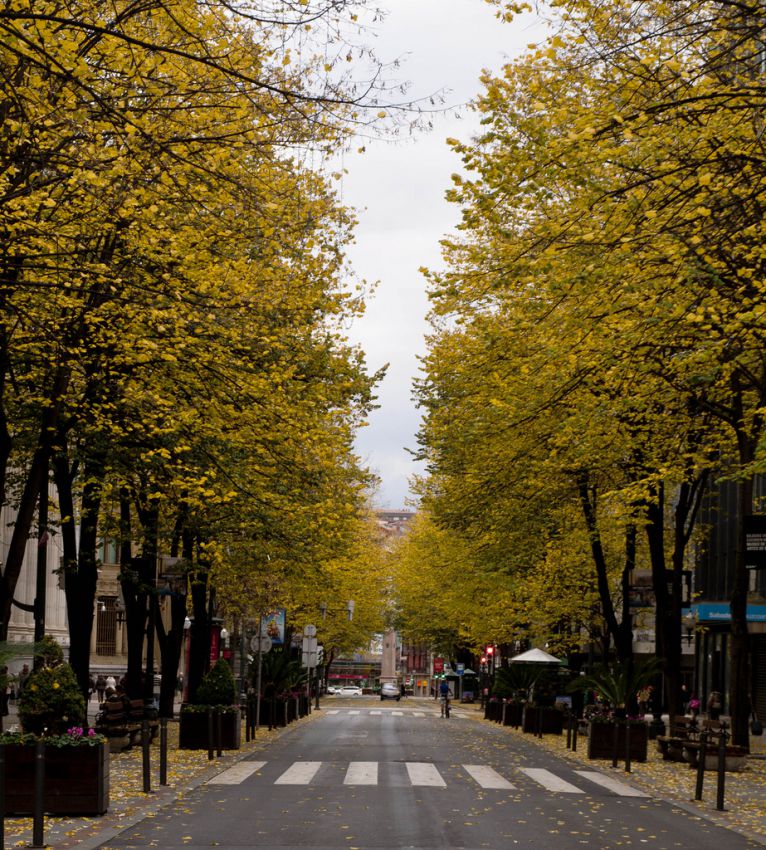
(460, 669)
(309, 652)
(261, 643)
(310, 631)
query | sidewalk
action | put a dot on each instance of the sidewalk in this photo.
(128, 804)
(745, 791)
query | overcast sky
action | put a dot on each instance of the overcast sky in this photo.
(398, 190)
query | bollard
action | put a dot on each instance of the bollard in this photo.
(627, 745)
(721, 768)
(38, 825)
(218, 731)
(146, 756)
(569, 731)
(539, 721)
(2, 796)
(574, 734)
(248, 713)
(701, 765)
(163, 751)
(210, 733)
(615, 742)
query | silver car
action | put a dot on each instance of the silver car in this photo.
(389, 690)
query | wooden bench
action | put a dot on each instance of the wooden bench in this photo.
(734, 756)
(121, 721)
(684, 733)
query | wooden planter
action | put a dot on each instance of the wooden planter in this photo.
(513, 713)
(76, 780)
(552, 720)
(193, 730)
(601, 740)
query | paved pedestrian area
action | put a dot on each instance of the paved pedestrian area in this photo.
(745, 792)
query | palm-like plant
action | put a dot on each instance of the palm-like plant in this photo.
(620, 682)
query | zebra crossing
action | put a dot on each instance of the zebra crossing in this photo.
(419, 775)
(372, 712)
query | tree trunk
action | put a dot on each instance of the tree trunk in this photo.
(14, 559)
(623, 646)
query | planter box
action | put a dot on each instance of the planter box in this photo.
(552, 720)
(513, 713)
(601, 740)
(76, 780)
(192, 730)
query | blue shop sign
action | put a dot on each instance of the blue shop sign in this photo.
(720, 612)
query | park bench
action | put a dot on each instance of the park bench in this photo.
(121, 721)
(683, 732)
(735, 756)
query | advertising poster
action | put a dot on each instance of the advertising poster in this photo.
(273, 625)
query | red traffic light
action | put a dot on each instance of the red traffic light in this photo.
(483, 659)
(490, 650)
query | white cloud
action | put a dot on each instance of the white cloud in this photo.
(398, 189)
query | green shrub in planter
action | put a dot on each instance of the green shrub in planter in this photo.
(218, 687)
(51, 702)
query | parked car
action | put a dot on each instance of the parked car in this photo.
(389, 690)
(332, 689)
(349, 691)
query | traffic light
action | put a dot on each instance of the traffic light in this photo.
(490, 650)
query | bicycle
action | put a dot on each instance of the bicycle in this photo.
(445, 706)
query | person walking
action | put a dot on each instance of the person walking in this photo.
(5, 690)
(714, 705)
(21, 679)
(100, 686)
(694, 705)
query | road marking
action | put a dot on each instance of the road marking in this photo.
(237, 774)
(299, 773)
(422, 773)
(398, 713)
(376, 712)
(550, 781)
(418, 714)
(353, 712)
(611, 784)
(486, 777)
(334, 711)
(362, 773)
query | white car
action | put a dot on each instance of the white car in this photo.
(349, 691)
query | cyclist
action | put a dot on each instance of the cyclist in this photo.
(444, 696)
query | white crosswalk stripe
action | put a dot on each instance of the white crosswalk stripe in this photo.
(550, 781)
(299, 773)
(611, 784)
(362, 773)
(487, 777)
(334, 711)
(424, 773)
(237, 774)
(376, 712)
(419, 774)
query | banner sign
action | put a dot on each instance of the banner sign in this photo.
(438, 665)
(273, 625)
(755, 542)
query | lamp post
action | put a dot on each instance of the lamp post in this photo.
(323, 608)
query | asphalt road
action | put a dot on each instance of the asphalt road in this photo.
(366, 774)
